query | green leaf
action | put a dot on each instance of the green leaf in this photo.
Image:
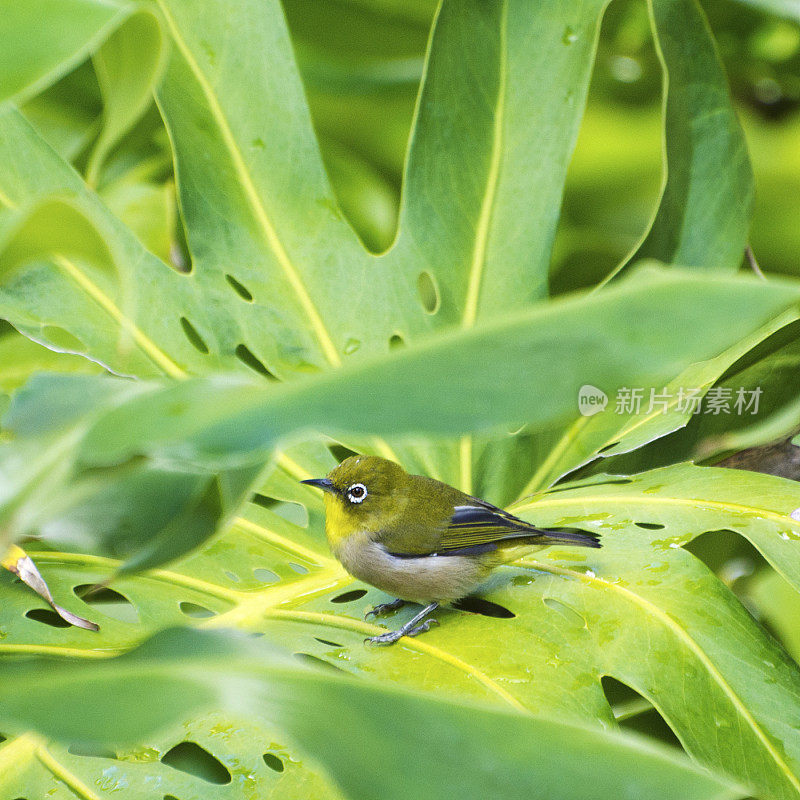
(280, 286)
(620, 429)
(44, 40)
(68, 113)
(484, 227)
(607, 337)
(779, 606)
(575, 617)
(46, 43)
(707, 198)
(129, 65)
(20, 358)
(258, 216)
(105, 289)
(769, 369)
(345, 725)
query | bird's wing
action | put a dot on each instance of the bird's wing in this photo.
(472, 528)
(482, 525)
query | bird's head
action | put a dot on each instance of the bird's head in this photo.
(362, 493)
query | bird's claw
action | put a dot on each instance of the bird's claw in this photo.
(390, 637)
(384, 608)
(422, 627)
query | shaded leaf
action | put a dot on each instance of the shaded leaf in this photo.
(706, 203)
(623, 427)
(128, 66)
(468, 750)
(42, 40)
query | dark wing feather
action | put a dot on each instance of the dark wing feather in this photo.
(482, 525)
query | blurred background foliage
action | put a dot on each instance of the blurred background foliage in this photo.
(362, 60)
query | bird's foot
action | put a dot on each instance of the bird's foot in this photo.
(411, 628)
(425, 626)
(390, 637)
(385, 608)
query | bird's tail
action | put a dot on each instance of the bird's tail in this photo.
(570, 536)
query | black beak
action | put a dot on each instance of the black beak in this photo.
(326, 484)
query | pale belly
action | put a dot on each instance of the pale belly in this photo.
(422, 580)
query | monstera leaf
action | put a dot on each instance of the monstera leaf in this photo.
(497, 751)
(169, 496)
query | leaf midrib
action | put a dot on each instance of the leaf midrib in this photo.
(267, 603)
(736, 508)
(415, 644)
(144, 342)
(270, 234)
(32, 747)
(478, 264)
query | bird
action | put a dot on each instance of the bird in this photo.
(418, 539)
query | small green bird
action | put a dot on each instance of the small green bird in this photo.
(420, 539)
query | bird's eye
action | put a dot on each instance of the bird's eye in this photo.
(356, 493)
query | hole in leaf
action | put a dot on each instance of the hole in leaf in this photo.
(2, 737)
(428, 292)
(241, 290)
(231, 576)
(328, 642)
(265, 575)
(90, 750)
(195, 611)
(618, 693)
(477, 605)
(192, 759)
(635, 712)
(727, 553)
(170, 797)
(195, 339)
(273, 762)
(299, 568)
(307, 658)
(608, 447)
(249, 359)
(351, 345)
(264, 501)
(396, 341)
(48, 617)
(349, 597)
(108, 602)
(650, 526)
(295, 513)
(340, 452)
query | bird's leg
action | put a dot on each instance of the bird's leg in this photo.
(385, 608)
(411, 628)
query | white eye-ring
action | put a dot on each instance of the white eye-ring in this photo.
(356, 493)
